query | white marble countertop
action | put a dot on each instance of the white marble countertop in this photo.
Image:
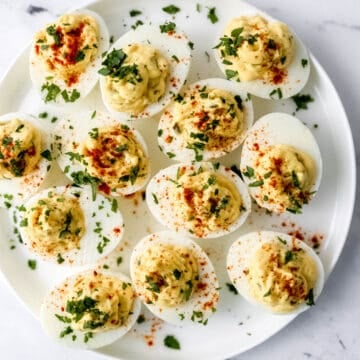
(331, 30)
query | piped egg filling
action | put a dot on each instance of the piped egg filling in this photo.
(113, 155)
(280, 278)
(20, 148)
(254, 48)
(55, 225)
(67, 47)
(285, 177)
(208, 119)
(135, 77)
(96, 303)
(166, 274)
(206, 200)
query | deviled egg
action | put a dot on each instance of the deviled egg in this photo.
(66, 56)
(203, 200)
(174, 278)
(90, 309)
(276, 271)
(25, 157)
(95, 148)
(66, 226)
(144, 70)
(281, 163)
(264, 54)
(205, 121)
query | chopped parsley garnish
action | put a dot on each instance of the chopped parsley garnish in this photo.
(230, 74)
(66, 227)
(212, 15)
(93, 114)
(167, 27)
(277, 92)
(138, 23)
(170, 155)
(310, 298)
(171, 9)
(23, 222)
(267, 175)
(94, 133)
(302, 101)
(68, 330)
(18, 129)
(289, 256)
(74, 156)
(156, 201)
(198, 316)
(177, 274)
(216, 207)
(171, 342)
(232, 288)
(114, 205)
(52, 91)
(257, 183)
(271, 44)
(59, 259)
(80, 56)
(238, 100)
(160, 132)
(70, 96)
(132, 176)
(295, 179)
(51, 30)
(7, 140)
(46, 154)
(153, 285)
(304, 62)
(121, 148)
(83, 178)
(140, 319)
(102, 244)
(32, 264)
(281, 240)
(134, 13)
(268, 293)
(115, 68)
(191, 45)
(88, 336)
(175, 58)
(63, 319)
(112, 62)
(119, 260)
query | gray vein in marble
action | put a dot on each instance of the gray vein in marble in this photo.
(341, 342)
(33, 10)
(339, 24)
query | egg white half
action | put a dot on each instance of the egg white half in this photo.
(87, 80)
(174, 47)
(178, 148)
(16, 190)
(243, 250)
(104, 226)
(73, 130)
(54, 302)
(276, 129)
(203, 300)
(297, 72)
(162, 207)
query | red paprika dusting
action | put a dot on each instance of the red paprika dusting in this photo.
(277, 76)
(117, 230)
(105, 188)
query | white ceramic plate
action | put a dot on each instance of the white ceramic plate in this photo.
(236, 326)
